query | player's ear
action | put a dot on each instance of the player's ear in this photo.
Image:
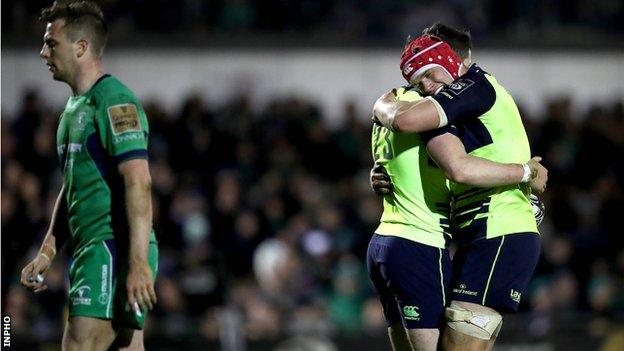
(80, 47)
(468, 60)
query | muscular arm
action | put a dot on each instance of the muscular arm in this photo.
(137, 182)
(468, 97)
(33, 273)
(139, 281)
(407, 116)
(449, 153)
(49, 241)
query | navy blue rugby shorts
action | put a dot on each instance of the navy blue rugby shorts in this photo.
(411, 279)
(495, 272)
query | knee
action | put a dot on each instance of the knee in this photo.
(473, 320)
(79, 336)
(72, 340)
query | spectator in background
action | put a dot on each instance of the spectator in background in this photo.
(25, 127)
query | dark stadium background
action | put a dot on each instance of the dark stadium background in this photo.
(282, 184)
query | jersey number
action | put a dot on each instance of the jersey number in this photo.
(386, 149)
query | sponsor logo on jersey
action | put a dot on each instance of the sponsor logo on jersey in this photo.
(74, 147)
(459, 86)
(103, 298)
(69, 160)
(81, 296)
(71, 148)
(449, 96)
(411, 313)
(124, 118)
(79, 123)
(463, 289)
(515, 295)
(128, 137)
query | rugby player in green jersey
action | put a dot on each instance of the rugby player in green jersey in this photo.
(495, 228)
(102, 148)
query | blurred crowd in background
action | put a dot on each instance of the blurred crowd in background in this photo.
(264, 218)
(348, 19)
(264, 215)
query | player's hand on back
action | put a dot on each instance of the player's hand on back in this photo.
(539, 175)
(34, 273)
(380, 180)
(140, 286)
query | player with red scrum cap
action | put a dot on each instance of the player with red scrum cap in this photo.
(497, 233)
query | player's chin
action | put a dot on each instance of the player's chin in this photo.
(56, 75)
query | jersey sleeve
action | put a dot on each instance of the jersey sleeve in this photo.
(430, 134)
(123, 127)
(468, 97)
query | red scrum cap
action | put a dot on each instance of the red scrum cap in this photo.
(426, 52)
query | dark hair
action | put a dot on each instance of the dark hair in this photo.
(458, 39)
(80, 15)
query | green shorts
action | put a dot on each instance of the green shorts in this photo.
(97, 280)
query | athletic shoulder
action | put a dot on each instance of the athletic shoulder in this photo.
(467, 97)
(110, 91)
(476, 72)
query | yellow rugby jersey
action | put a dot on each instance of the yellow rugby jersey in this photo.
(486, 119)
(418, 208)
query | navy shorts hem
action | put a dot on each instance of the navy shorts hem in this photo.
(495, 272)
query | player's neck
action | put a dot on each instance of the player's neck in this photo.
(464, 67)
(86, 76)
